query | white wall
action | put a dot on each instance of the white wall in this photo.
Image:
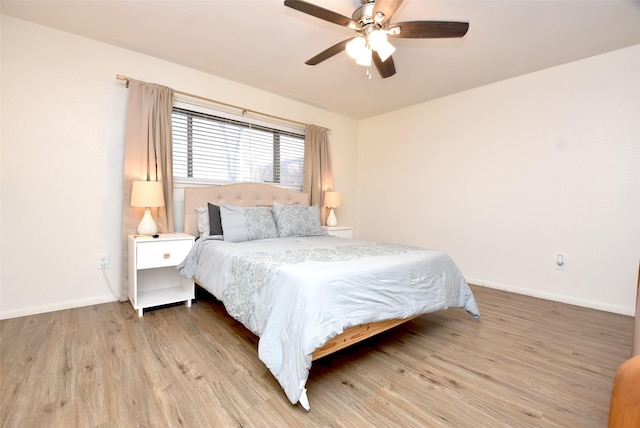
(62, 130)
(506, 176)
(502, 177)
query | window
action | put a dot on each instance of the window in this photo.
(222, 148)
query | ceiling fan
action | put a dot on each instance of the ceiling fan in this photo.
(372, 23)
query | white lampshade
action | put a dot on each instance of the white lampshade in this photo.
(332, 199)
(147, 194)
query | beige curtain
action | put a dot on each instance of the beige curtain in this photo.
(317, 167)
(148, 156)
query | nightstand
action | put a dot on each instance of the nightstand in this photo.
(153, 277)
(340, 231)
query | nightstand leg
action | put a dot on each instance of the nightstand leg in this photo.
(189, 303)
(140, 312)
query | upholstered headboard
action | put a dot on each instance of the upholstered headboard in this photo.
(243, 195)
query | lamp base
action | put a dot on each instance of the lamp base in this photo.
(147, 225)
(332, 220)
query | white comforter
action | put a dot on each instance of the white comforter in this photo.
(297, 293)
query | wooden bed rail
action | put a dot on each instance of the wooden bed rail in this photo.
(356, 334)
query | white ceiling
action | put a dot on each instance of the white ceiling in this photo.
(265, 44)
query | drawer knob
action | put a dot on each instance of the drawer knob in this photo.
(166, 255)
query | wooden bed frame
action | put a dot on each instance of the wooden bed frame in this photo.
(256, 194)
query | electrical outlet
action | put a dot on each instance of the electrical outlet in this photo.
(102, 261)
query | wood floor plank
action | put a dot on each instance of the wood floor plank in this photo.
(526, 363)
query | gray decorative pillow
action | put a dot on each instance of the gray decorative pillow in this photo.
(297, 221)
(247, 223)
(215, 225)
(204, 223)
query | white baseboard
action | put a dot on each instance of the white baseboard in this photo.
(57, 307)
(631, 310)
(489, 284)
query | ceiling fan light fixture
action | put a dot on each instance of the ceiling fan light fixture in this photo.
(364, 58)
(376, 39)
(385, 51)
(356, 47)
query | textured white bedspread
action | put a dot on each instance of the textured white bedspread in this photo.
(297, 293)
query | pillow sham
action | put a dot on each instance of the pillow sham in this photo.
(203, 221)
(247, 223)
(293, 220)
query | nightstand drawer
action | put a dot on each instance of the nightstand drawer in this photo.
(160, 254)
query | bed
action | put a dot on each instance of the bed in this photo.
(307, 294)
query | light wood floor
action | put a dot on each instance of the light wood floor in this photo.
(526, 363)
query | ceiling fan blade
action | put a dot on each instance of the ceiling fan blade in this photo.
(320, 12)
(429, 29)
(386, 68)
(328, 53)
(387, 7)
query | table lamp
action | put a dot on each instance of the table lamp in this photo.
(147, 194)
(332, 200)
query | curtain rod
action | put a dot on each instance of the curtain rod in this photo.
(244, 110)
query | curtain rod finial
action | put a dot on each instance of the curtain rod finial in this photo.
(125, 78)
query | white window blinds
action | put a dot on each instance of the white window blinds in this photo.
(213, 148)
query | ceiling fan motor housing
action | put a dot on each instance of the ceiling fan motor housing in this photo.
(364, 14)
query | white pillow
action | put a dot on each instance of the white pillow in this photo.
(294, 220)
(203, 221)
(247, 223)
